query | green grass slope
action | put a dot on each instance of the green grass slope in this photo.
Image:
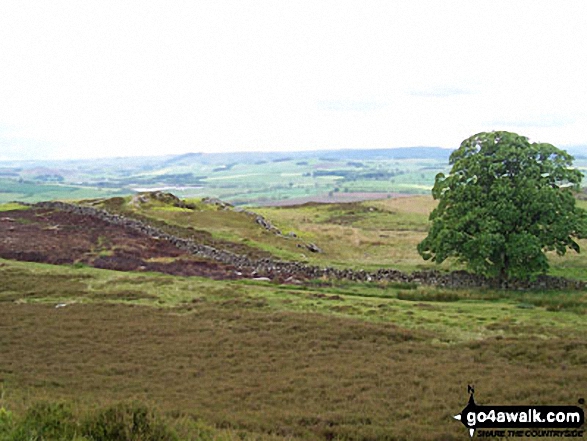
(362, 235)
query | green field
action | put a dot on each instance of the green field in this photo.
(243, 359)
(248, 178)
(240, 178)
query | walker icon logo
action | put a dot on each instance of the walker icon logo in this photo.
(552, 418)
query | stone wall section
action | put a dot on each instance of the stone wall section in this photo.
(287, 271)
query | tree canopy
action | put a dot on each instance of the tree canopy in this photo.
(504, 204)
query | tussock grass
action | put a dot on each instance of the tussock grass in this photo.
(255, 360)
(282, 374)
(124, 421)
(437, 296)
(20, 283)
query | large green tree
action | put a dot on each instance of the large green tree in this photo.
(504, 204)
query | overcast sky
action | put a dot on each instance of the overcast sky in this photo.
(124, 78)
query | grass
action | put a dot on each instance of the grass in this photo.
(265, 361)
(366, 235)
(11, 190)
(378, 303)
(11, 206)
(361, 235)
(204, 359)
(570, 265)
(124, 421)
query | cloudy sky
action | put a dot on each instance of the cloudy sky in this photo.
(123, 78)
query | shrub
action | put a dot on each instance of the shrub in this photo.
(127, 422)
(46, 421)
(434, 296)
(6, 423)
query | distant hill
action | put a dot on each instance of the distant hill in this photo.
(241, 178)
(578, 151)
(436, 153)
(185, 159)
(395, 153)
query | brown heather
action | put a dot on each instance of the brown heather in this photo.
(274, 373)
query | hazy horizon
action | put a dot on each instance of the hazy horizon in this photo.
(122, 79)
(257, 152)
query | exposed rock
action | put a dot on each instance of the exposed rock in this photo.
(313, 248)
(217, 202)
(161, 196)
(266, 224)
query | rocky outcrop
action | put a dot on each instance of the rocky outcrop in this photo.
(290, 271)
(217, 202)
(160, 196)
(313, 248)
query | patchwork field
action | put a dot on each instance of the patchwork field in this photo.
(240, 178)
(251, 359)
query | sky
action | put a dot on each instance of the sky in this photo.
(85, 79)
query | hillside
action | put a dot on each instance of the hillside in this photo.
(137, 304)
(369, 241)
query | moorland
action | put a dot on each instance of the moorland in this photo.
(106, 328)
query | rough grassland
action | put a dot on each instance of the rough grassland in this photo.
(367, 235)
(256, 360)
(265, 361)
(384, 233)
(362, 235)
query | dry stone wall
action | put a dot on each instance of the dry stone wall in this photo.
(290, 271)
